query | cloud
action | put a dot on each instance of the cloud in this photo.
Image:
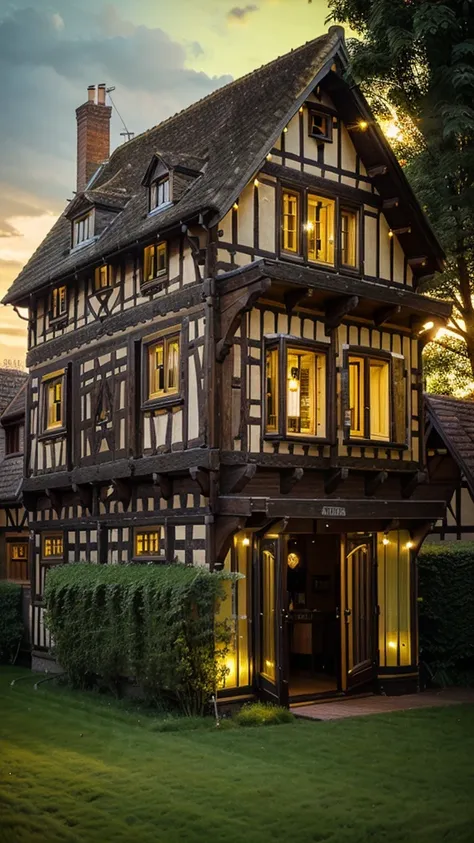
(241, 13)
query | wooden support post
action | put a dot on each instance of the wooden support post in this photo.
(224, 529)
(166, 485)
(289, 478)
(233, 305)
(336, 309)
(234, 480)
(409, 485)
(373, 481)
(334, 478)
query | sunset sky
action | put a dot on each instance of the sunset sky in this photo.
(160, 55)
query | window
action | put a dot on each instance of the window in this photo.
(320, 125)
(303, 391)
(103, 277)
(163, 367)
(53, 386)
(53, 546)
(12, 439)
(348, 228)
(17, 561)
(320, 228)
(159, 193)
(369, 398)
(147, 542)
(82, 229)
(290, 222)
(58, 303)
(155, 263)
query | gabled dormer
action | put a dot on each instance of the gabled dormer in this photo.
(168, 177)
(91, 213)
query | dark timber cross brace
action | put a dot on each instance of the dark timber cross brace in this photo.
(202, 478)
(374, 481)
(293, 297)
(334, 478)
(385, 314)
(289, 478)
(123, 492)
(224, 530)
(336, 309)
(233, 305)
(166, 485)
(414, 480)
(84, 494)
(234, 480)
(56, 501)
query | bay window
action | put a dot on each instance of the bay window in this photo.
(296, 383)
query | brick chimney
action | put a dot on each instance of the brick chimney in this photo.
(93, 134)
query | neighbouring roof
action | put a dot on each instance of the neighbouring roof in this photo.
(11, 477)
(17, 406)
(227, 136)
(453, 419)
(11, 381)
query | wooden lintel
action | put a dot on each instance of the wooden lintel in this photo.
(232, 307)
(334, 478)
(123, 492)
(385, 314)
(336, 309)
(373, 481)
(390, 203)
(202, 478)
(224, 529)
(84, 493)
(377, 170)
(410, 484)
(55, 499)
(166, 485)
(414, 263)
(235, 480)
(289, 478)
(293, 297)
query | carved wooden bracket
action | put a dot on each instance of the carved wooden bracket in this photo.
(55, 500)
(234, 480)
(233, 305)
(385, 314)
(84, 493)
(377, 170)
(123, 492)
(289, 478)
(30, 500)
(390, 203)
(336, 309)
(293, 297)
(202, 477)
(225, 528)
(334, 478)
(166, 485)
(374, 481)
(409, 485)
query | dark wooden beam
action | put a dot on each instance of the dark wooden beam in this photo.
(123, 492)
(385, 314)
(202, 478)
(234, 480)
(410, 483)
(334, 478)
(224, 529)
(293, 297)
(232, 308)
(166, 485)
(414, 263)
(289, 478)
(55, 500)
(84, 493)
(393, 524)
(374, 481)
(336, 309)
(404, 230)
(393, 202)
(377, 170)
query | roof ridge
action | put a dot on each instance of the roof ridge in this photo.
(442, 397)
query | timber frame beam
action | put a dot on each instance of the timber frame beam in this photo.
(232, 307)
(336, 310)
(234, 480)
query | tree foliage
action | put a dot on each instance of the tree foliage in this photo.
(11, 622)
(416, 57)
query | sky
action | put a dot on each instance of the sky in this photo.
(161, 55)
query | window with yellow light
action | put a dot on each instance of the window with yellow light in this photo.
(53, 546)
(54, 409)
(369, 397)
(147, 542)
(394, 589)
(163, 367)
(348, 229)
(234, 612)
(290, 222)
(320, 229)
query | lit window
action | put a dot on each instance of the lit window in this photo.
(348, 238)
(320, 228)
(320, 125)
(163, 367)
(54, 402)
(369, 390)
(19, 551)
(82, 230)
(103, 277)
(272, 390)
(147, 542)
(159, 193)
(17, 561)
(155, 263)
(290, 223)
(58, 303)
(53, 546)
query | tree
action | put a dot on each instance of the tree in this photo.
(415, 59)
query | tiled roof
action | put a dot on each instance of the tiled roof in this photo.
(11, 381)
(231, 130)
(11, 476)
(16, 408)
(453, 419)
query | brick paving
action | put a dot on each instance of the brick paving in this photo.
(364, 706)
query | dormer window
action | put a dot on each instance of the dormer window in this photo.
(160, 193)
(58, 303)
(155, 262)
(82, 229)
(320, 125)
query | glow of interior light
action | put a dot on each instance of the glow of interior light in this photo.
(385, 540)
(409, 545)
(246, 542)
(363, 125)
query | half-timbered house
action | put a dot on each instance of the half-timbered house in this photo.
(13, 517)
(225, 370)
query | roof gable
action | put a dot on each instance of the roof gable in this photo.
(453, 419)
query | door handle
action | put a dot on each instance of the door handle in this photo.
(347, 613)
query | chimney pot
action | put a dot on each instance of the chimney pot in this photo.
(101, 94)
(91, 93)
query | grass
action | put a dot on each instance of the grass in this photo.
(76, 767)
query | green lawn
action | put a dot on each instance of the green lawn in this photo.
(75, 767)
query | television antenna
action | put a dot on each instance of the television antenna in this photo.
(126, 134)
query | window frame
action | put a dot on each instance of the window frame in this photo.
(164, 398)
(111, 276)
(60, 427)
(55, 314)
(162, 179)
(297, 194)
(368, 354)
(160, 555)
(356, 210)
(163, 274)
(310, 194)
(329, 118)
(52, 536)
(76, 224)
(12, 432)
(285, 343)
(10, 543)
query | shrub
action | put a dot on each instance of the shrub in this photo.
(263, 714)
(446, 589)
(11, 621)
(152, 623)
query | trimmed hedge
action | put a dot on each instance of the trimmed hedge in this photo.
(151, 623)
(11, 621)
(446, 591)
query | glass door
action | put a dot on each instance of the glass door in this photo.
(358, 615)
(272, 614)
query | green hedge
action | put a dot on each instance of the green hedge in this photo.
(11, 621)
(446, 591)
(152, 623)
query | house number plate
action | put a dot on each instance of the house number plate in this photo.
(333, 512)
